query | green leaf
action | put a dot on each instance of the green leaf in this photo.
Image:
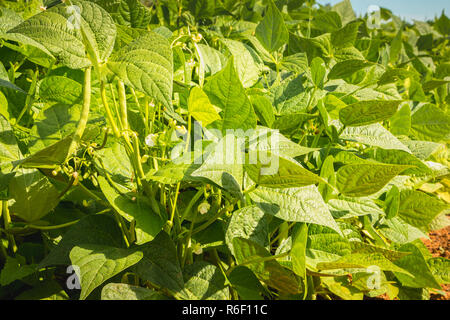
(415, 263)
(279, 172)
(318, 72)
(263, 109)
(347, 68)
(9, 150)
(134, 207)
(123, 291)
(392, 202)
(419, 209)
(440, 268)
(99, 230)
(73, 32)
(400, 123)
(248, 223)
(295, 204)
(298, 250)
(99, 263)
(373, 135)
(45, 290)
(364, 179)
(133, 14)
(362, 260)
(367, 112)
(200, 107)
(272, 31)
(344, 208)
(327, 22)
(402, 158)
(225, 90)
(246, 283)
(345, 10)
(34, 195)
(247, 62)
(204, 281)
(15, 269)
(346, 36)
(61, 90)
(431, 124)
(270, 271)
(146, 64)
(160, 264)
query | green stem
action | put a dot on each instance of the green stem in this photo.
(30, 97)
(265, 259)
(123, 104)
(111, 120)
(64, 225)
(84, 112)
(7, 221)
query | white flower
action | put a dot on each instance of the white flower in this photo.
(204, 207)
(181, 130)
(150, 140)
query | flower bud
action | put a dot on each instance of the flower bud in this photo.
(151, 139)
(204, 207)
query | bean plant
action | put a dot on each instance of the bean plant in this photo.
(220, 149)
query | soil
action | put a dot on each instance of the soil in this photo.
(439, 246)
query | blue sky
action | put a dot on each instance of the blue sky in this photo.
(408, 9)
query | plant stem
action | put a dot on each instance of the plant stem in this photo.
(112, 122)
(123, 105)
(30, 97)
(84, 112)
(7, 221)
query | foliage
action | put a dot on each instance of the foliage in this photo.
(108, 192)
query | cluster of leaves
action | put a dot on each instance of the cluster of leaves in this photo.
(96, 95)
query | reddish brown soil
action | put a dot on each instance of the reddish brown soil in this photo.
(439, 246)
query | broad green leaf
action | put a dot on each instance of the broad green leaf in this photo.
(213, 59)
(347, 68)
(295, 204)
(271, 272)
(200, 107)
(204, 281)
(99, 263)
(327, 22)
(433, 84)
(397, 230)
(415, 263)
(224, 166)
(134, 207)
(392, 202)
(202, 8)
(344, 208)
(75, 29)
(367, 112)
(263, 109)
(440, 268)
(373, 135)
(419, 209)
(422, 149)
(431, 124)
(272, 171)
(123, 291)
(325, 245)
(35, 196)
(246, 283)
(364, 179)
(402, 158)
(247, 62)
(9, 150)
(132, 13)
(298, 250)
(362, 247)
(99, 229)
(345, 10)
(362, 260)
(346, 36)
(225, 90)
(318, 72)
(297, 63)
(248, 223)
(272, 31)
(45, 290)
(400, 123)
(61, 90)
(341, 288)
(15, 269)
(160, 263)
(146, 64)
